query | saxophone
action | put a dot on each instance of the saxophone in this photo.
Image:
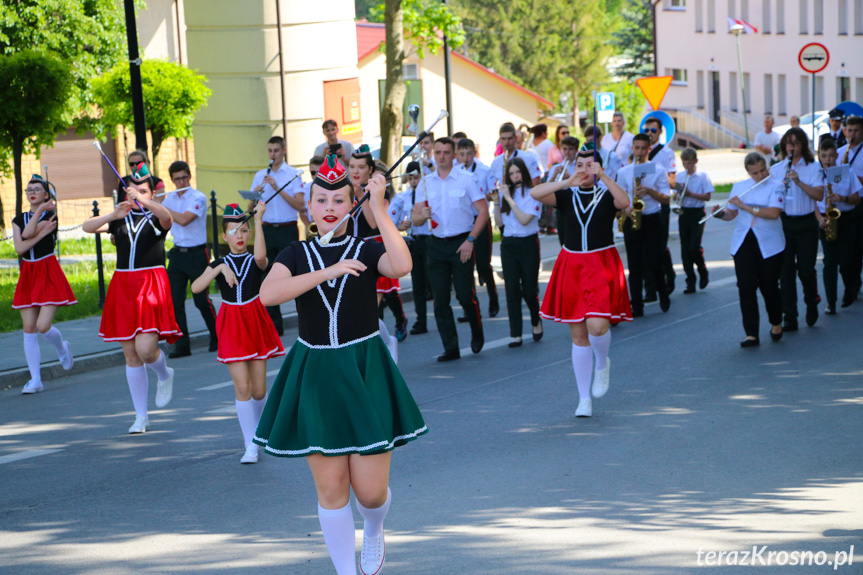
(831, 232)
(637, 204)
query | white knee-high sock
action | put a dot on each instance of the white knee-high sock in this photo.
(258, 405)
(392, 343)
(582, 365)
(340, 537)
(160, 367)
(138, 387)
(374, 518)
(33, 355)
(600, 345)
(55, 338)
(248, 421)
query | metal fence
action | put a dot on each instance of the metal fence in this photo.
(712, 134)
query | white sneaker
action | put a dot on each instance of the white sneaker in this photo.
(373, 554)
(141, 424)
(251, 455)
(67, 361)
(165, 390)
(600, 380)
(585, 408)
(32, 387)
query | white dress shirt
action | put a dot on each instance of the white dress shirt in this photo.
(622, 147)
(699, 183)
(451, 201)
(771, 238)
(495, 171)
(665, 157)
(855, 158)
(512, 228)
(658, 181)
(848, 186)
(279, 211)
(770, 140)
(798, 202)
(195, 232)
(408, 199)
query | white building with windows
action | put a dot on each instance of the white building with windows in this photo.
(694, 45)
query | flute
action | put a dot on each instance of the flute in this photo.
(724, 205)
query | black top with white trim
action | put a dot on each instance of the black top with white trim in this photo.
(138, 246)
(359, 227)
(45, 246)
(249, 278)
(338, 312)
(589, 215)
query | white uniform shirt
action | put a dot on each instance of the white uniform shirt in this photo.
(396, 209)
(665, 157)
(346, 146)
(479, 171)
(855, 158)
(451, 201)
(611, 163)
(798, 202)
(570, 169)
(195, 232)
(771, 238)
(279, 211)
(658, 181)
(848, 186)
(622, 147)
(699, 183)
(408, 200)
(512, 228)
(770, 140)
(495, 171)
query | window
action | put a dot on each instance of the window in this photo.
(732, 8)
(675, 4)
(747, 92)
(858, 17)
(818, 17)
(843, 88)
(804, 93)
(819, 92)
(744, 10)
(699, 79)
(411, 71)
(843, 17)
(768, 93)
(679, 77)
(699, 15)
(780, 90)
(732, 85)
(804, 16)
(765, 16)
(780, 16)
(711, 15)
(859, 91)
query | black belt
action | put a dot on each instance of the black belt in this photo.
(810, 215)
(282, 225)
(455, 237)
(191, 249)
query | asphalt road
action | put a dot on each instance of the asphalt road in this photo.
(698, 446)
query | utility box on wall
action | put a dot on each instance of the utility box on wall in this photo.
(342, 104)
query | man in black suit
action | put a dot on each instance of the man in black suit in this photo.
(836, 132)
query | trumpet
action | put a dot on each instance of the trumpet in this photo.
(637, 204)
(679, 195)
(725, 204)
(831, 232)
(562, 175)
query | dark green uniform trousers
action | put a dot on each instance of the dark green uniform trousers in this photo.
(839, 258)
(419, 277)
(185, 265)
(520, 260)
(278, 238)
(801, 251)
(482, 251)
(691, 253)
(446, 269)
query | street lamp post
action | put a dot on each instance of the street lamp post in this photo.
(737, 29)
(135, 78)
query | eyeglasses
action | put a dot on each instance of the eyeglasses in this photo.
(34, 190)
(650, 130)
(181, 178)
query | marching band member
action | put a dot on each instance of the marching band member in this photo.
(42, 285)
(250, 338)
(757, 246)
(645, 246)
(189, 257)
(801, 175)
(663, 156)
(280, 220)
(315, 163)
(136, 158)
(850, 154)
(518, 216)
(698, 189)
(587, 288)
(569, 148)
(838, 249)
(507, 135)
(452, 196)
(138, 309)
(339, 399)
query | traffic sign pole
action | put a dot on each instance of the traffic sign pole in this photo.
(814, 107)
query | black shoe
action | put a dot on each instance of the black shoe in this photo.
(811, 315)
(476, 342)
(637, 312)
(449, 355)
(214, 344)
(493, 308)
(847, 299)
(703, 278)
(831, 309)
(775, 336)
(514, 343)
(418, 329)
(650, 298)
(664, 303)
(789, 325)
(402, 331)
(177, 353)
(750, 342)
(689, 289)
(538, 336)
(462, 319)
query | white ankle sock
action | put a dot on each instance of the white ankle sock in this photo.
(600, 345)
(248, 422)
(138, 387)
(160, 367)
(392, 343)
(33, 355)
(55, 338)
(340, 537)
(258, 404)
(582, 365)
(374, 518)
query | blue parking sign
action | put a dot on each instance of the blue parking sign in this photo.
(605, 102)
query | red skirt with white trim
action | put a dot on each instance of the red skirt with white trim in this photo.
(139, 301)
(386, 284)
(42, 283)
(586, 285)
(246, 333)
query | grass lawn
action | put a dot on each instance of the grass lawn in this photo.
(70, 247)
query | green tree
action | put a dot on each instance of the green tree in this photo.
(173, 94)
(628, 99)
(634, 40)
(35, 88)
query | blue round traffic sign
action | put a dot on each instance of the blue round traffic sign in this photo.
(668, 129)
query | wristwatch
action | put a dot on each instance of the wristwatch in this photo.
(755, 210)
(471, 239)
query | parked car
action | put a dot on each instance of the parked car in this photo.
(822, 126)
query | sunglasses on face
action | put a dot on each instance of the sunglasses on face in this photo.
(313, 172)
(650, 130)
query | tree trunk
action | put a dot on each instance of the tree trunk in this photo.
(395, 89)
(158, 138)
(17, 152)
(576, 125)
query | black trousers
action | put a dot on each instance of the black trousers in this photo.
(644, 253)
(665, 256)
(839, 257)
(857, 257)
(278, 238)
(419, 276)
(393, 300)
(520, 260)
(446, 269)
(482, 251)
(801, 251)
(183, 269)
(691, 233)
(754, 273)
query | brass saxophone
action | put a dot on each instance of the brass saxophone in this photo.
(637, 204)
(831, 232)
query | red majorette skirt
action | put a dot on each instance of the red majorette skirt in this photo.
(586, 285)
(246, 332)
(42, 283)
(386, 284)
(139, 301)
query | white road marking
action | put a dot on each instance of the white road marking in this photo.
(26, 455)
(230, 382)
(226, 409)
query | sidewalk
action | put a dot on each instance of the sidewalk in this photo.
(91, 353)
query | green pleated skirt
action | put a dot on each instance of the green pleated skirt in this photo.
(338, 402)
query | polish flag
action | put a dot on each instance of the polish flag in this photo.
(747, 27)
